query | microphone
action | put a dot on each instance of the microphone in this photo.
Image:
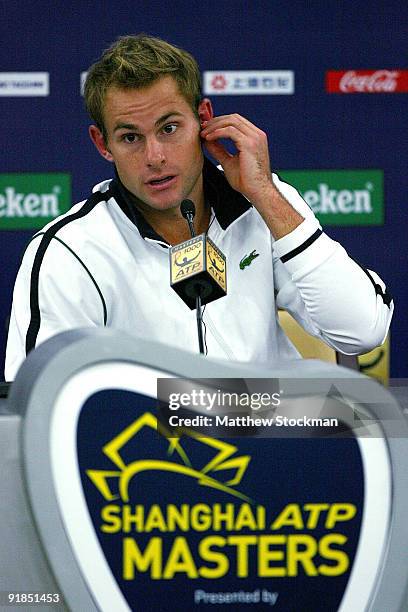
(197, 266)
(188, 211)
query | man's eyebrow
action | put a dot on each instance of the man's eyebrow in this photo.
(135, 128)
(167, 116)
(125, 126)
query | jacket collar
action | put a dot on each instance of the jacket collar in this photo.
(228, 204)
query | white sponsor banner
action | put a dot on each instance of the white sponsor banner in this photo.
(249, 82)
(24, 84)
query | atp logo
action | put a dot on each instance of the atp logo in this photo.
(114, 484)
(214, 263)
(185, 261)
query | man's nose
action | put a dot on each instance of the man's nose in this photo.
(154, 153)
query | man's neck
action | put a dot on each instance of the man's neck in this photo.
(173, 227)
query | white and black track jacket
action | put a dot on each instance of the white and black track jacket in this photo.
(101, 264)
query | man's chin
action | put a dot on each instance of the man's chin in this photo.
(166, 204)
(161, 204)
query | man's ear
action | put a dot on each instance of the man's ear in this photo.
(205, 110)
(99, 142)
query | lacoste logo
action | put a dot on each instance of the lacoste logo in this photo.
(248, 259)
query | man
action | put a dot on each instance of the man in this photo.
(105, 263)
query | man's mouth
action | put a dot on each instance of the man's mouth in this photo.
(161, 181)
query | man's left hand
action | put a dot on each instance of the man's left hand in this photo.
(248, 171)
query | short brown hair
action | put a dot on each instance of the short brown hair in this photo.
(137, 62)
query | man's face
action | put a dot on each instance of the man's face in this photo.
(153, 138)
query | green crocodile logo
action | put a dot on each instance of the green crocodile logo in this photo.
(248, 259)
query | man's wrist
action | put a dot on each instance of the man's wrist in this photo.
(279, 215)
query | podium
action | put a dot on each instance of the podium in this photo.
(108, 505)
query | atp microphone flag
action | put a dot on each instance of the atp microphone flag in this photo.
(197, 267)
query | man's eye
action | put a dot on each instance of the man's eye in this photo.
(129, 138)
(170, 128)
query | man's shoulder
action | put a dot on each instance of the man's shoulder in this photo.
(82, 210)
(81, 233)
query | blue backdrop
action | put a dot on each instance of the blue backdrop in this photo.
(308, 130)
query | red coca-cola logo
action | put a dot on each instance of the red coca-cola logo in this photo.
(367, 81)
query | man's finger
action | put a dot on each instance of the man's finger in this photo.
(218, 151)
(240, 139)
(236, 120)
(241, 127)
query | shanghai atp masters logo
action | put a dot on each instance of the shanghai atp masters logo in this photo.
(173, 510)
(114, 484)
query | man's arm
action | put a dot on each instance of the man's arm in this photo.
(66, 296)
(249, 171)
(329, 294)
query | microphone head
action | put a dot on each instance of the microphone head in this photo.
(187, 209)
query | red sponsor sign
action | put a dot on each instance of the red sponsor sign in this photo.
(219, 81)
(367, 81)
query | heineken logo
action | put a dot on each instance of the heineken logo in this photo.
(344, 201)
(14, 204)
(31, 200)
(341, 197)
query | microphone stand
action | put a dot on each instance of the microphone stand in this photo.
(189, 216)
